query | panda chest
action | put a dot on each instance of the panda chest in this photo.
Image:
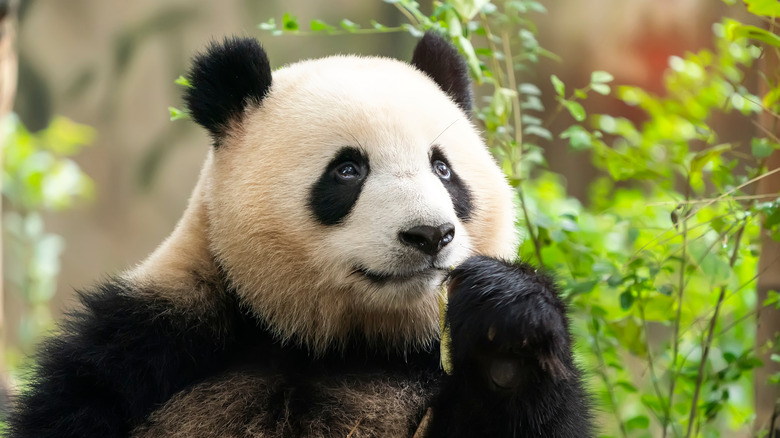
(241, 404)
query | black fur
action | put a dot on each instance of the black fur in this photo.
(225, 80)
(510, 314)
(127, 353)
(457, 188)
(441, 61)
(331, 198)
(117, 359)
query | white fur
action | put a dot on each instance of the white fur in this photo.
(250, 210)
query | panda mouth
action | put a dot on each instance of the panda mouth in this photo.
(382, 278)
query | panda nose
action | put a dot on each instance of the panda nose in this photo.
(428, 239)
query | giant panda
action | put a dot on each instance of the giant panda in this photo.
(298, 294)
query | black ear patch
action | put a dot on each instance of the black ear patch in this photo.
(440, 60)
(225, 79)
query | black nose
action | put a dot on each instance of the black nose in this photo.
(428, 239)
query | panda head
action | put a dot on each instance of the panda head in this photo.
(339, 191)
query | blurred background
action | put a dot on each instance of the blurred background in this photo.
(111, 65)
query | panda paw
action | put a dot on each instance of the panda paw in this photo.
(507, 325)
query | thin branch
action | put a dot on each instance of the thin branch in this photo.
(409, 16)
(493, 49)
(653, 375)
(510, 71)
(677, 318)
(731, 294)
(710, 336)
(603, 373)
(701, 201)
(766, 132)
(534, 237)
(719, 198)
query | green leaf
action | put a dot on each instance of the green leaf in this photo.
(268, 25)
(64, 137)
(628, 333)
(377, 25)
(602, 89)
(767, 8)
(575, 109)
(736, 30)
(627, 386)
(773, 299)
(349, 25)
(651, 401)
(558, 85)
(615, 280)
(413, 31)
(536, 7)
(321, 26)
(749, 363)
(773, 219)
(640, 422)
(771, 98)
(184, 82)
(471, 57)
(532, 103)
(501, 104)
(177, 114)
(289, 23)
(451, 21)
(606, 123)
(702, 158)
(529, 89)
(537, 131)
(468, 9)
(600, 77)
(626, 300)
(530, 120)
(762, 147)
(579, 138)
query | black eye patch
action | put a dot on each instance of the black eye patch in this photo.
(337, 190)
(458, 190)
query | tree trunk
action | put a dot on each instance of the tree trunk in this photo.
(767, 396)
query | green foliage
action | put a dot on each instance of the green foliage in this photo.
(38, 177)
(659, 265)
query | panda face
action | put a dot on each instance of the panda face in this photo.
(398, 229)
(339, 202)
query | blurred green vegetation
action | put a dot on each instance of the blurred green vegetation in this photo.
(659, 264)
(39, 177)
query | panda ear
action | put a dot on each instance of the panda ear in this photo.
(440, 60)
(224, 80)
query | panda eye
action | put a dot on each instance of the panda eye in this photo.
(441, 169)
(347, 171)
